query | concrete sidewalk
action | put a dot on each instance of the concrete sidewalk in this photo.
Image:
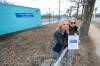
(94, 33)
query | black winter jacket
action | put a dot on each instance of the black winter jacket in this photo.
(60, 40)
(73, 30)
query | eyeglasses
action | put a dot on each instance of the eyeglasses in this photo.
(73, 22)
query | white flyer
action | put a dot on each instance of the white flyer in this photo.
(73, 42)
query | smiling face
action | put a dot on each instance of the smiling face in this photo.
(73, 23)
(65, 26)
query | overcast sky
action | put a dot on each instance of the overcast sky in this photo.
(44, 5)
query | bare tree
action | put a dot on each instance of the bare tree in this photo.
(78, 4)
(86, 19)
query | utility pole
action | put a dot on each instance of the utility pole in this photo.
(53, 16)
(95, 12)
(83, 4)
(70, 12)
(59, 10)
(49, 15)
(78, 3)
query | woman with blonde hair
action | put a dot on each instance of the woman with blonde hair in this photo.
(60, 39)
(73, 28)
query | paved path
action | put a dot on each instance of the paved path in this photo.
(95, 35)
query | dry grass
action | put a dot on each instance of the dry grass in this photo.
(22, 48)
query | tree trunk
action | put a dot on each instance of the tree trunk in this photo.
(82, 9)
(77, 8)
(86, 19)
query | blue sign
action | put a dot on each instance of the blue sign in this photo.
(73, 41)
(16, 18)
(24, 15)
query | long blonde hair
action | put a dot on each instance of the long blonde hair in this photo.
(60, 25)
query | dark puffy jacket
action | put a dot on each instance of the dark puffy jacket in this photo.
(73, 30)
(60, 40)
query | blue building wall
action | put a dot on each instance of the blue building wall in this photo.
(16, 18)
